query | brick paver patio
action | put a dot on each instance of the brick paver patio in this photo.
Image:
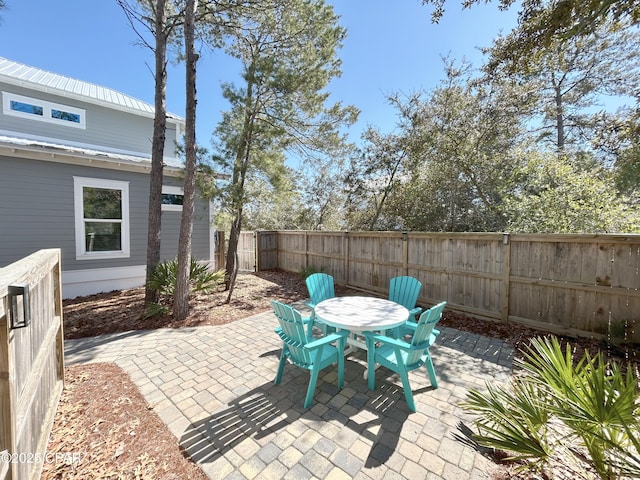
(213, 387)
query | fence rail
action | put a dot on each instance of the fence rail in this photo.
(31, 360)
(586, 285)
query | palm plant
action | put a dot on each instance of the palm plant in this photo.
(558, 405)
(163, 280)
(513, 421)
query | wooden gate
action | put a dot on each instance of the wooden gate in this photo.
(247, 252)
(31, 361)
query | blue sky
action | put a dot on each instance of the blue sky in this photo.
(391, 46)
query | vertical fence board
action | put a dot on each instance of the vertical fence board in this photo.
(625, 266)
(604, 264)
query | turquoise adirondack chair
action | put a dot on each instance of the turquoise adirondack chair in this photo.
(308, 353)
(402, 357)
(405, 290)
(320, 287)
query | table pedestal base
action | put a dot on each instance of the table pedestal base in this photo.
(353, 345)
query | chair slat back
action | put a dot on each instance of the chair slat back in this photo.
(293, 333)
(426, 323)
(320, 287)
(405, 291)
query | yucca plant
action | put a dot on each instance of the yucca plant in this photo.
(595, 405)
(164, 277)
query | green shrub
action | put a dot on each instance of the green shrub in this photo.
(580, 412)
(310, 270)
(164, 277)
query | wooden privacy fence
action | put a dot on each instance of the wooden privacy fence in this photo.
(31, 361)
(585, 285)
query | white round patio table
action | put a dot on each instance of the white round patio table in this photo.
(361, 314)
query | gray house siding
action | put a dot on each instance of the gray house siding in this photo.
(200, 236)
(39, 213)
(104, 145)
(105, 127)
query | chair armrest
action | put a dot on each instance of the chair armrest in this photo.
(415, 311)
(414, 325)
(310, 304)
(411, 324)
(397, 342)
(327, 339)
(388, 340)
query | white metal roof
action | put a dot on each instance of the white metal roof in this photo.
(35, 78)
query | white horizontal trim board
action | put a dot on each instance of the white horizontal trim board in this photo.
(77, 283)
(56, 148)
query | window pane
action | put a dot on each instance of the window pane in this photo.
(60, 115)
(26, 108)
(172, 199)
(102, 203)
(103, 236)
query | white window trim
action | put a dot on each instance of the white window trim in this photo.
(78, 184)
(167, 189)
(47, 107)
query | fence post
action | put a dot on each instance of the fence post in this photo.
(506, 278)
(256, 250)
(345, 253)
(219, 250)
(277, 242)
(405, 253)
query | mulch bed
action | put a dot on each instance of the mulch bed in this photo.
(121, 311)
(105, 429)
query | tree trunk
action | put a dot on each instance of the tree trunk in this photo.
(239, 177)
(232, 253)
(559, 120)
(157, 150)
(181, 296)
(385, 194)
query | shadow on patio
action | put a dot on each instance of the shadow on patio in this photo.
(251, 426)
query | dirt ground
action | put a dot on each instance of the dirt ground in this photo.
(105, 421)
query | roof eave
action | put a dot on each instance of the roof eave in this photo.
(99, 159)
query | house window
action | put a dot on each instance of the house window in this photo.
(172, 198)
(66, 116)
(23, 107)
(42, 110)
(101, 217)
